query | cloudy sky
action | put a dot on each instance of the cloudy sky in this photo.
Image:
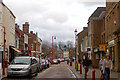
(53, 17)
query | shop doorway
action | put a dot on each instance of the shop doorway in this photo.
(0, 64)
(11, 54)
(119, 54)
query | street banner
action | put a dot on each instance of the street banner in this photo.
(102, 47)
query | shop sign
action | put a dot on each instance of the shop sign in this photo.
(112, 42)
(102, 47)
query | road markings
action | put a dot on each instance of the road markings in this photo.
(72, 73)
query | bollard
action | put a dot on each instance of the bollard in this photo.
(77, 67)
(85, 72)
(70, 63)
(80, 69)
(93, 75)
(67, 62)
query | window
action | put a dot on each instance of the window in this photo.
(34, 61)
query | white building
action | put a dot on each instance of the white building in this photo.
(7, 23)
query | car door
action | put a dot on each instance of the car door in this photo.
(34, 65)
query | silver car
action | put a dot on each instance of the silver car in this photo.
(23, 66)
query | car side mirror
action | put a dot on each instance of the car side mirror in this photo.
(32, 63)
(9, 63)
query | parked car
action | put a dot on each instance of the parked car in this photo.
(62, 60)
(40, 66)
(23, 66)
(59, 60)
(44, 63)
(66, 59)
(48, 63)
(55, 61)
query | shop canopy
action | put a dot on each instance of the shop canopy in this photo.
(16, 50)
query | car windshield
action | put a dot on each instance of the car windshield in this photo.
(43, 60)
(21, 61)
(55, 60)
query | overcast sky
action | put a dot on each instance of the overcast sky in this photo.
(53, 17)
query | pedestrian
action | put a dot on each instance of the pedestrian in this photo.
(107, 67)
(101, 67)
(101, 63)
(79, 61)
(86, 63)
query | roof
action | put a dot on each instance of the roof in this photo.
(98, 12)
(8, 9)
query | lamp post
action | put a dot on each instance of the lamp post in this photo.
(4, 54)
(75, 42)
(75, 46)
(53, 37)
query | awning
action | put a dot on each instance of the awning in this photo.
(35, 52)
(16, 50)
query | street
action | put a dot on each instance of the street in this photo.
(55, 71)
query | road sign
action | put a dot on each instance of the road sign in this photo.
(102, 47)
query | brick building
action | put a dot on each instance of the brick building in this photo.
(96, 24)
(112, 31)
(34, 42)
(19, 38)
(80, 37)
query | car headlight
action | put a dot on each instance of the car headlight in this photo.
(25, 69)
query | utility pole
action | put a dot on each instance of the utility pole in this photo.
(4, 54)
(52, 49)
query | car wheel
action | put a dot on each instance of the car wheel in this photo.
(37, 72)
(8, 76)
(30, 74)
(48, 66)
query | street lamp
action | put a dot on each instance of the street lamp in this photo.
(75, 42)
(53, 37)
(75, 46)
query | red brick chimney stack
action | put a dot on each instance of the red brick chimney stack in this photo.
(26, 27)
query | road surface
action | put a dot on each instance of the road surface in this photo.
(55, 71)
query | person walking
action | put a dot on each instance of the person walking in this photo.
(79, 61)
(86, 63)
(101, 67)
(107, 67)
(101, 63)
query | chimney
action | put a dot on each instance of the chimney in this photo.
(26, 27)
(36, 34)
(31, 32)
(16, 25)
(85, 28)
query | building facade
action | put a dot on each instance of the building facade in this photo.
(112, 32)
(80, 37)
(7, 25)
(95, 23)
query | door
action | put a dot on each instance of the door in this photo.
(34, 65)
(0, 63)
(119, 55)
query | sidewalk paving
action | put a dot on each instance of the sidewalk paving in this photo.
(89, 74)
(0, 71)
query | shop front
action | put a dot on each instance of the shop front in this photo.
(111, 51)
(98, 53)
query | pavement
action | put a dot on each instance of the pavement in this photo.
(56, 71)
(0, 71)
(114, 75)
